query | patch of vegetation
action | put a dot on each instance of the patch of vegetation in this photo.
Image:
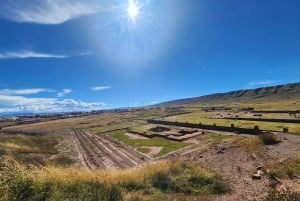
(63, 161)
(288, 169)
(2, 152)
(28, 144)
(168, 146)
(153, 181)
(29, 149)
(268, 139)
(112, 126)
(219, 137)
(207, 118)
(143, 149)
(190, 180)
(214, 137)
(284, 195)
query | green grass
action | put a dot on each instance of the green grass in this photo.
(204, 118)
(143, 149)
(168, 146)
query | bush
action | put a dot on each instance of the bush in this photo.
(219, 186)
(21, 189)
(161, 180)
(2, 152)
(197, 181)
(115, 194)
(268, 139)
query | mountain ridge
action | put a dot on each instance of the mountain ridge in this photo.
(289, 91)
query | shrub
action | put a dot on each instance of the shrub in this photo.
(220, 186)
(268, 139)
(2, 152)
(161, 180)
(115, 194)
(21, 189)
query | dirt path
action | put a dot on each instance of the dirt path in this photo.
(98, 152)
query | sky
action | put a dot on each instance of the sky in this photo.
(72, 55)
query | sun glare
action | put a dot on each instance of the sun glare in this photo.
(133, 10)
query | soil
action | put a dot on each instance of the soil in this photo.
(154, 150)
(237, 165)
(135, 137)
(98, 152)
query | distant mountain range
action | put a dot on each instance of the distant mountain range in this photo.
(280, 92)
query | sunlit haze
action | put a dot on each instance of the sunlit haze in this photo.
(133, 10)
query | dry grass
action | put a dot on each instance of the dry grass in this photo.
(158, 179)
(110, 176)
(287, 169)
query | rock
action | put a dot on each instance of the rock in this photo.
(254, 156)
(259, 173)
(256, 176)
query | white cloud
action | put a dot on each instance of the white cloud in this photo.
(85, 54)
(99, 88)
(64, 92)
(264, 82)
(29, 54)
(153, 102)
(23, 91)
(14, 104)
(46, 11)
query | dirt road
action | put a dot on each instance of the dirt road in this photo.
(99, 152)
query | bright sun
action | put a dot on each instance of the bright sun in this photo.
(132, 10)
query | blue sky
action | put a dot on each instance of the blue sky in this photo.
(65, 55)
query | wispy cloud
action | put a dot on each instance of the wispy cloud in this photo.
(29, 54)
(153, 102)
(85, 54)
(64, 92)
(261, 83)
(23, 91)
(100, 88)
(14, 104)
(46, 12)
